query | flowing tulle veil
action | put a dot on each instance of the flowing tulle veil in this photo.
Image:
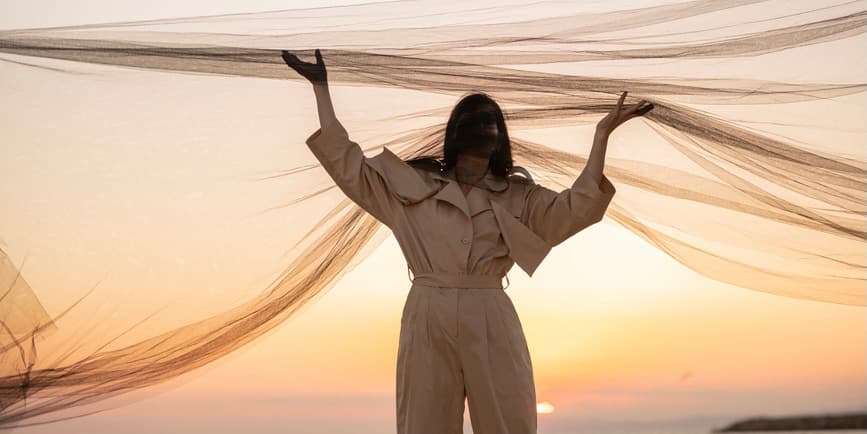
(754, 175)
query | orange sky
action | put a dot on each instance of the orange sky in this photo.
(615, 327)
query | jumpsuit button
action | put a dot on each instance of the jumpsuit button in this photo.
(465, 241)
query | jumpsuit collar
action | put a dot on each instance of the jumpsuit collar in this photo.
(525, 246)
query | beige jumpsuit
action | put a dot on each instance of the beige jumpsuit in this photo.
(460, 336)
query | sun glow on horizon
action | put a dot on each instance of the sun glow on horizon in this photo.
(544, 408)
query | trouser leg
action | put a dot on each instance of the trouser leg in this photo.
(498, 372)
(430, 387)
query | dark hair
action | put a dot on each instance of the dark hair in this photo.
(501, 159)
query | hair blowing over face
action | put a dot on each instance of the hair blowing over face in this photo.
(501, 159)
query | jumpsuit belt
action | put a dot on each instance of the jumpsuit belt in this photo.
(450, 280)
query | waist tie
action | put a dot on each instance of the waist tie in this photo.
(460, 280)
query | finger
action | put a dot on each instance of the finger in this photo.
(296, 66)
(642, 111)
(620, 101)
(645, 109)
(636, 107)
(318, 57)
(289, 57)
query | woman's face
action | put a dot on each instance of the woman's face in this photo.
(477, 132)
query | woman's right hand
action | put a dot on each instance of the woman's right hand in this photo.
(619, 115)
(315, 72)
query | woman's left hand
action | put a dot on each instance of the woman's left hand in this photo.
(622, 114)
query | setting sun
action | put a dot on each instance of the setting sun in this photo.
(223, 216)
(544, 408)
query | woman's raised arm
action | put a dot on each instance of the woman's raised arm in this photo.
(556, 216)
(341, 157)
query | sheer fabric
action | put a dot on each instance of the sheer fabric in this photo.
(750, 170)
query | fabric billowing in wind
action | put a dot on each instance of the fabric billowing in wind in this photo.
(750, 170)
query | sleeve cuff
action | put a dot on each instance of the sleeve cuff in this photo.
(334, 131)
(604, 188)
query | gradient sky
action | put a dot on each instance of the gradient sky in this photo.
(622, 336)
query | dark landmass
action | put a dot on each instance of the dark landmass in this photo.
(803, 422)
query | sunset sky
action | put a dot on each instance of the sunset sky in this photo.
(623, 338)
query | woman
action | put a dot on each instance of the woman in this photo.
(461, 224)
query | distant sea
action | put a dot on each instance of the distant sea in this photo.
(694, 425)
